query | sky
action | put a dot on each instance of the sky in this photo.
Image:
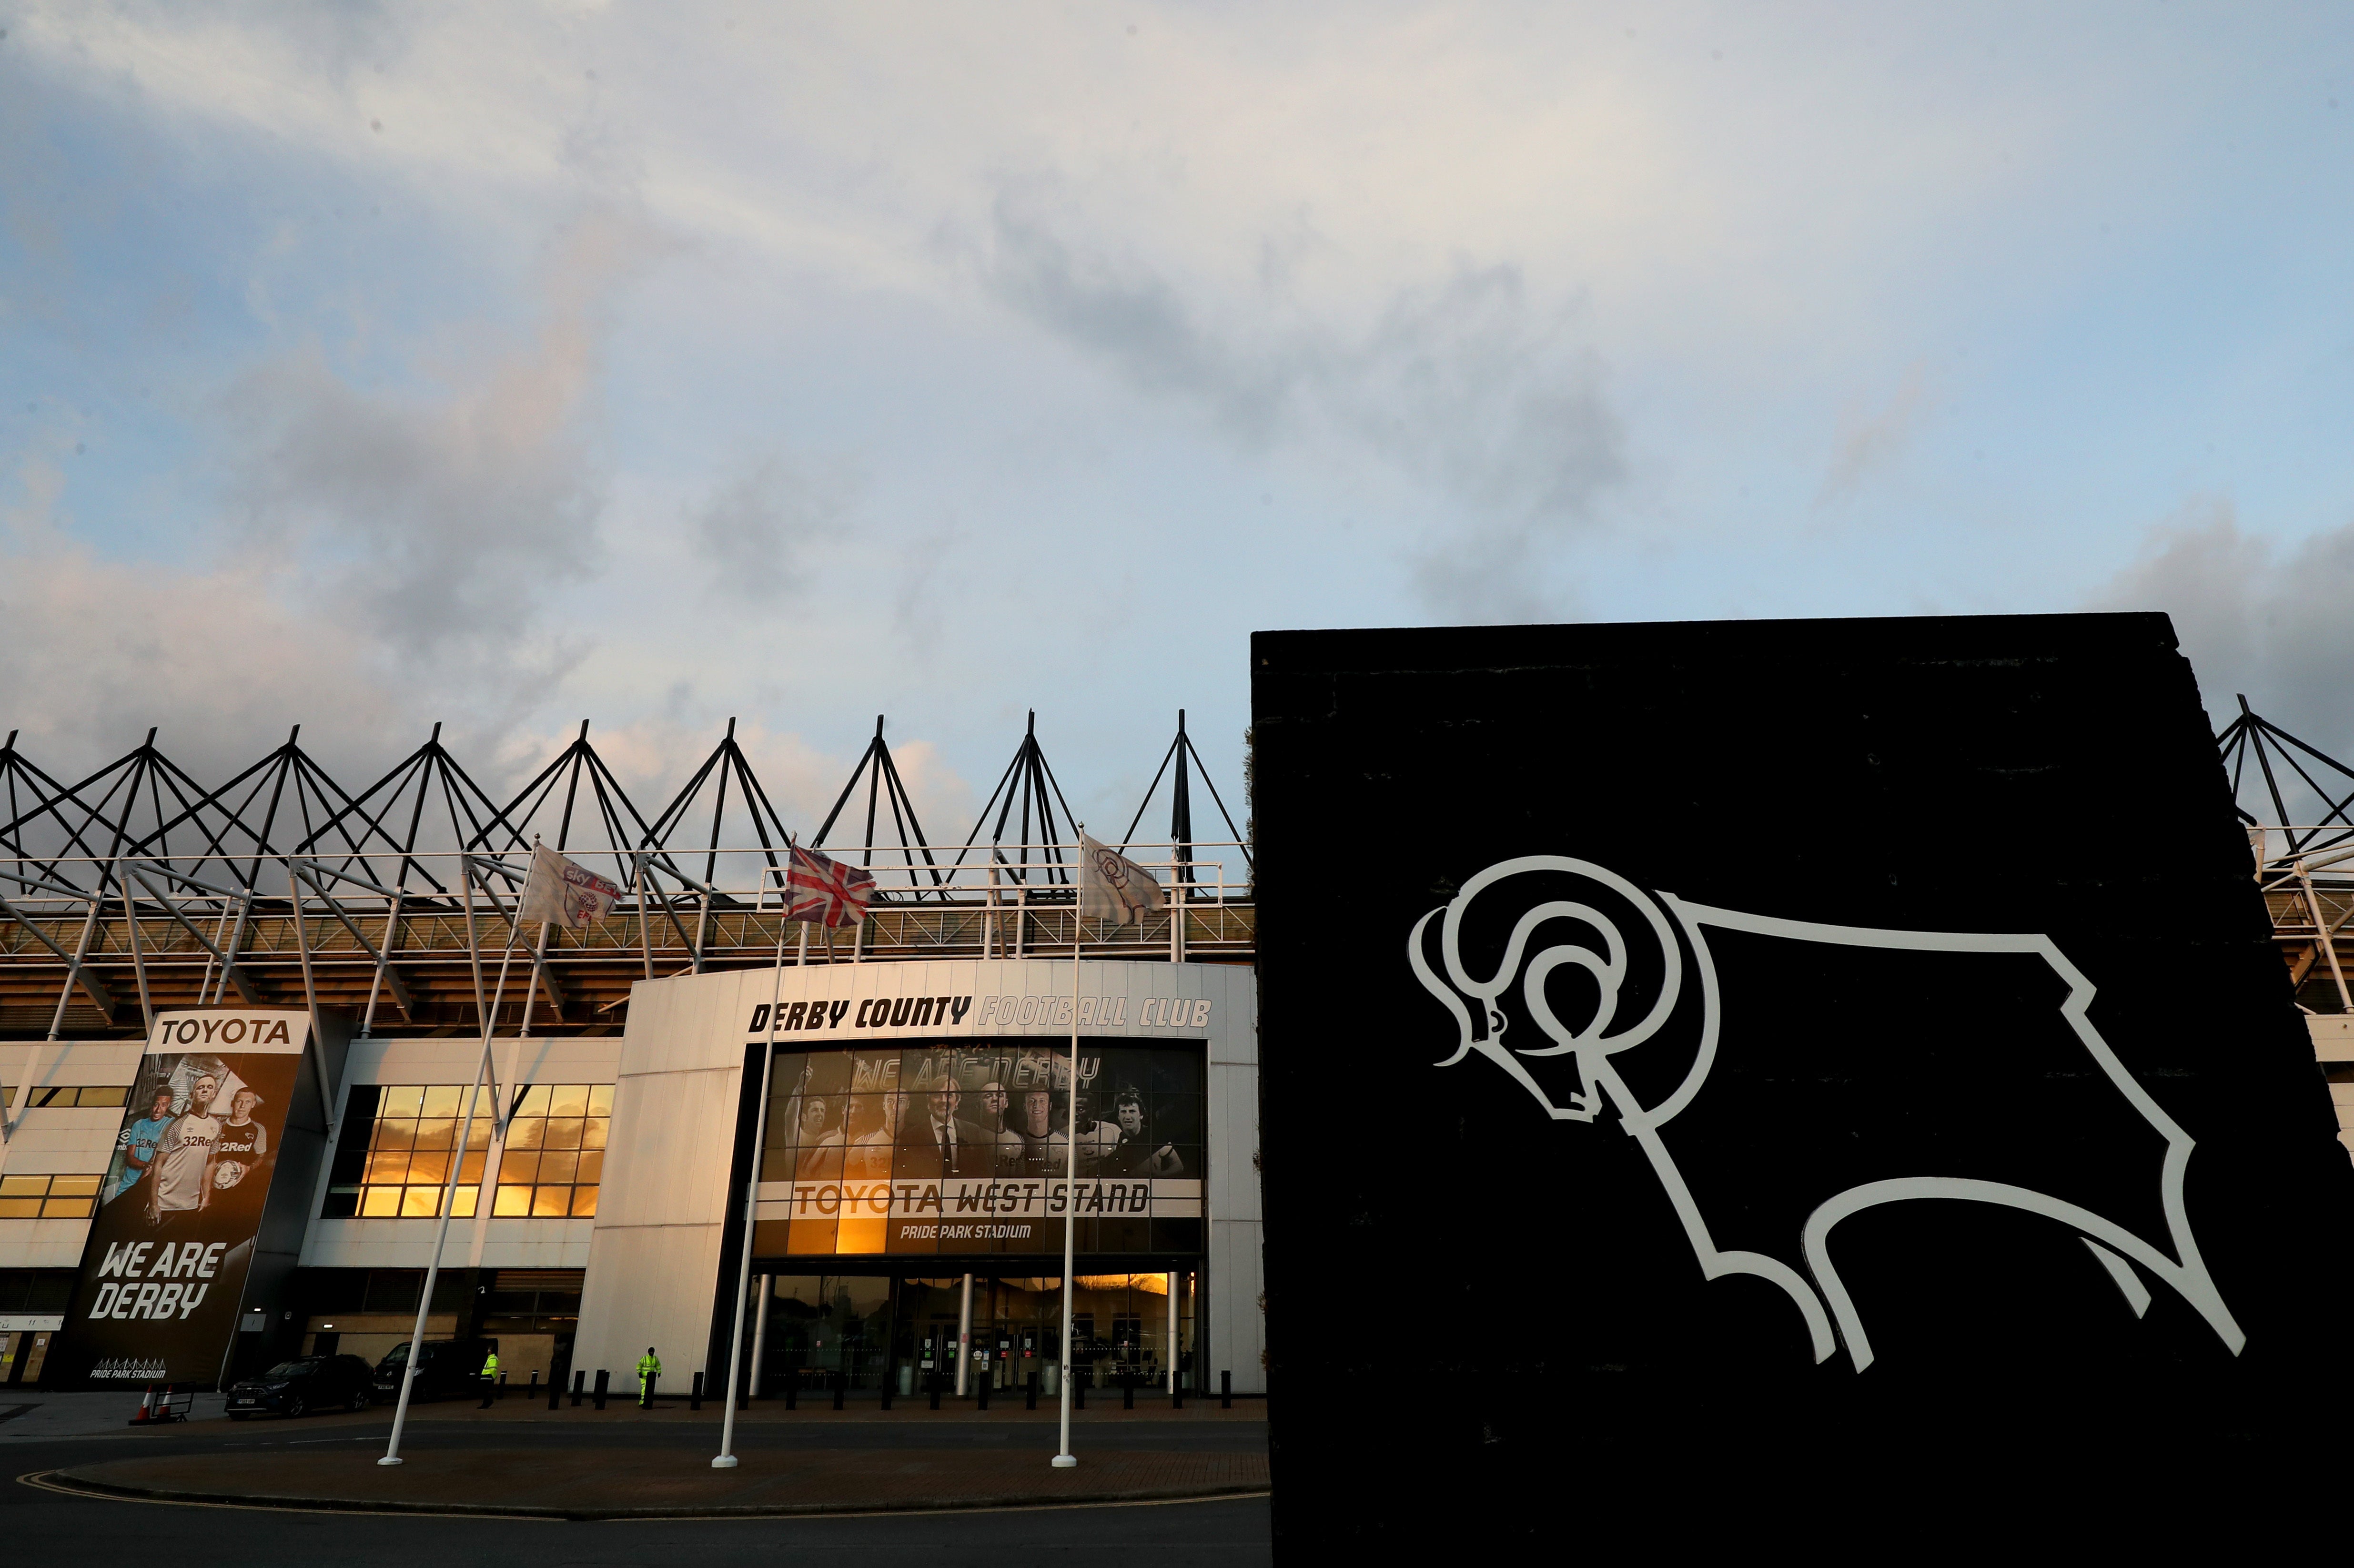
(365, 367)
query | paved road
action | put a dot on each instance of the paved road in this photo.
(47, 1528)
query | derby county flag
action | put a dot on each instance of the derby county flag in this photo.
(1115, 889)
(564, 894)
(824, 890)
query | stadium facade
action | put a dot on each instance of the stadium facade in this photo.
(340, 958)
(312, 980)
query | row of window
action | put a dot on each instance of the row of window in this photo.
(57, 1096)
(48, 1197)
(392, 1160)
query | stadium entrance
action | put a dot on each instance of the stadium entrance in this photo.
(867, 1332)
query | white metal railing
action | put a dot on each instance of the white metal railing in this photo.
(2286, 860)
(208, 899)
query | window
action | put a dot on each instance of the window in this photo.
(392, 1158)
(48, 1197)
(57, 1096)
(554, 1156)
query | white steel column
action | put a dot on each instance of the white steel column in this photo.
(964, 1337)
(760, 1332)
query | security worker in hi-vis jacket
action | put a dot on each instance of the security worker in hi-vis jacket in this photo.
(649, 1368)
(490, 1380)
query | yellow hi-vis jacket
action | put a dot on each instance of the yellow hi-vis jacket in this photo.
(491, 1365)
(647, 1366)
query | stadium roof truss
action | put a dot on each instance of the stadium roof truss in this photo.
(139, 889)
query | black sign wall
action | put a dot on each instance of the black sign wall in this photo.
(1805, 1043)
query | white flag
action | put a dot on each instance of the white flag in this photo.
(563, 893)
(1114, 888)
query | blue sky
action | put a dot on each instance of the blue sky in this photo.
(509, 366)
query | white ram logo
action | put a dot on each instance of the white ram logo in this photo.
(1477, 1002)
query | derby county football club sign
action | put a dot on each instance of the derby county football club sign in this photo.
(215, 1122)
(1801, 1042)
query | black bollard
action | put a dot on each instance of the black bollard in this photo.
(602, 1376)
(1127, 1389)
(1078, 1390)
(1225, 1391)
(694, 1394)
(533, 1392)
(1176, 1388)
(579, 1382)
(793, 1391)
(986, 1370)
(840, 1384)
(934, 1381)
(888, 1373)
(1030, 1391)
(646, 1391)
(554, 1389)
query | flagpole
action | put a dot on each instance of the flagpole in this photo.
(725, 1459)
(1063, 1457)
(457, 1164)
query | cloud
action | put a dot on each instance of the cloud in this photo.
(439, 522)
(97, 651)
(2255, 619)
(1874, 441)
(755, 533)
(1469, 385)
(381, 551)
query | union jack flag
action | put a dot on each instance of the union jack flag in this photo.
(824, 890)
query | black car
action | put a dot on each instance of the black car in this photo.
(446, 1367)
(305, 1385)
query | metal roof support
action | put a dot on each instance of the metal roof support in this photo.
(138, 950)
(884, 785)
(75, 972)
(311, 999)
(385, 973)
(230, 972)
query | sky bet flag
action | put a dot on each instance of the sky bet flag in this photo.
(1802, 1069)
(217, 1123)
(564, 893)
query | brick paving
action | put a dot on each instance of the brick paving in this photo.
(667, 1483)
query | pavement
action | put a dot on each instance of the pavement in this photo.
(960, 1485)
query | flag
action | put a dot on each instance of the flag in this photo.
(1114, 888)
(824, 890)
(563, 893)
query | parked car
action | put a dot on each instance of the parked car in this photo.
(446, 1367)
(305, 1385)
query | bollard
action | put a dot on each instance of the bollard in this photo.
(601, 1376)
(1176, 1388)
(988, 1376)
(646, 1390)
(933, 1379)
(1225, 1391)
(533, 1392)
(554, 1389)
(1030, 1394)
(1078, 1390)
(1127, 1389)
(887, 1386)
(793, 1391)
(840, 1382)
(694, 1394)
(580, 1381)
